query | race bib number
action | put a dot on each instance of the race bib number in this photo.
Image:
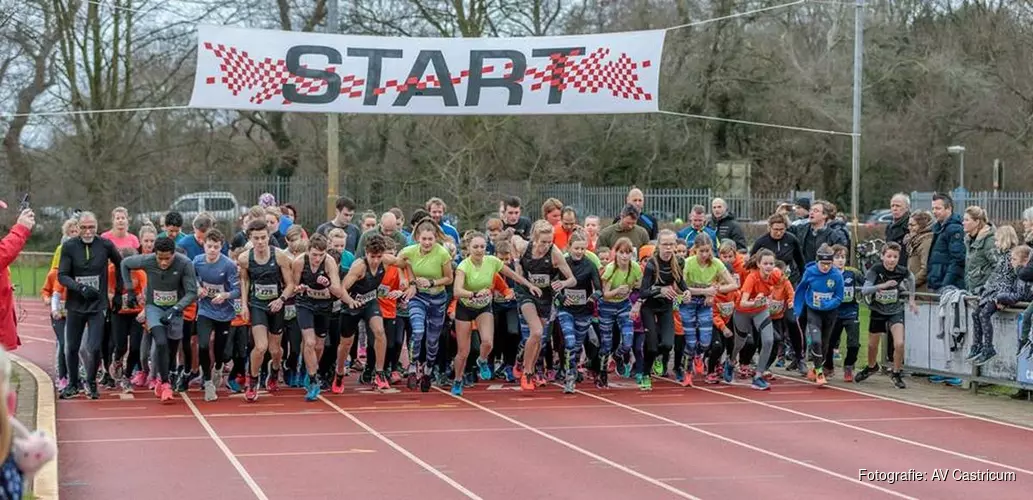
(237, 306)
(818, 299)
(500, 297)
(212, 290)
(266, 292)
(539, 280)
(577, 297)
(382, 291)
(477, 302)
(848, 294)
(726, 309)
(90, 281)
(290, 312)
(165, 299)
(366, 297)
(776, 307)
(318, 293)
(886, 296)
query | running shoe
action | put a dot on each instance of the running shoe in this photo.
(760, 384)
(91, 390)
(412, 381)
(801, 368)
(486, 369)
(127, 387)
(457, 387)
(233, 385)
(697, 365)
(974, 352)
(539, 380)
(712, 378)
(337, 387)
(866, 372)
(898, 380)
(985, 355)
(380, 381)
(69, 392)
(646, 383)
(396, 377)
(366, 377)
(425, 382)
(820, 378)
(209, 391)
(518, 370)
(62, 383)
(166, 393)
(728, 372)
(767, 375)
(182, 383)
(812, 375)
(151, 382)
(658, 367)
(527, 383)
(848, 374)
(107, 381)
(687, 380)
(679, 375)
(157, 390)
(290, 378)
(251, 393)
(602, 380)
(622, 366)
(569, 384)
(508, 375)
(195, 379)
(312, 393)
(272, 383)
(743, 373)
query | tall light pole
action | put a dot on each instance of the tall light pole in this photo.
(333, 167)
(855, 181)
(960, 151)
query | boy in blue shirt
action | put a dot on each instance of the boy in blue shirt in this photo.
(819, 294)
(848, 317)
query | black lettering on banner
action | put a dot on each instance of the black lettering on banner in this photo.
(373, 69)
(555, 92)
(333, 80)
(447, 91)
(510, 83)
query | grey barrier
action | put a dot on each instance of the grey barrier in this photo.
(927, 351)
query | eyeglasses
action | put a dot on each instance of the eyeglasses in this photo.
(87, 228)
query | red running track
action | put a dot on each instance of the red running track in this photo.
(795, 441)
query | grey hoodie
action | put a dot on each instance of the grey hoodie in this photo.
(172, 287)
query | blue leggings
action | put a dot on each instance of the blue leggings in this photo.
(619, 313)
(697, 319)
(575, 329)
(426, 316)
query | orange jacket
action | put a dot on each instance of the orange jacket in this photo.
(724, 306)
(782, 295)
(392, 281)
(139, 277)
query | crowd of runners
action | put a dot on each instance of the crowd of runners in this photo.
(565, 299)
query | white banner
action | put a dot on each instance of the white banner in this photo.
(316, 72)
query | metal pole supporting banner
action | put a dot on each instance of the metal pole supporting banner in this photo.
(333, 167)
(855, 181)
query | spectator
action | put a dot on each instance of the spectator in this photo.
(821, 229)
(697, 225)
(1001, 289)
(10, 247)
(784, 245)
(388, 228)
(266, 200)
(626, 227)
(436, 208)
(917, 241)
(947, 252)
(638, 200)
(724, 224)
(801, 212)
(552, 212)
(896, 231)
(568, 223)
(345, 211)
(1027, 226)
(592, 231)
(69, 230)
(980, 252)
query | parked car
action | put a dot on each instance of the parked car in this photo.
(883, 216)
(220, 204)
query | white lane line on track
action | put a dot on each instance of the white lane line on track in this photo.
(250, 481)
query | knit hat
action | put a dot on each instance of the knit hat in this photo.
(803, 203)
(267, 200)
(630, 211)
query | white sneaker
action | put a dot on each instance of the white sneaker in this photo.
(217, 377)
(209, 391)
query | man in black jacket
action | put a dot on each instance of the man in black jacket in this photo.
(83, 270)
(725, 225)
(896, 231)
(822, 228)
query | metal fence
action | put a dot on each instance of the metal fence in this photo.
(999, 205)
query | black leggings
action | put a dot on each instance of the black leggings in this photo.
(77, 324)
(164, 350)
(983, 326)
(853, 342)
(238, 349)
(659, 326)
(292, 344)
(206, 329)
(819, 333)
(123, 328)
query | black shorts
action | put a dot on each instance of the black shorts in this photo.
(351, 318)
(319, 321)
(879, 323)
(466, 313)
(543, 304)
(272, 321)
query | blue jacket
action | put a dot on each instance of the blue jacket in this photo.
(218, 277)
(689, 233)
(946, 265)
(819, 291)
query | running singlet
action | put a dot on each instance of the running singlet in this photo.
(539, 271)
(477, 278)
(364, 290)
(616, 277)
(317, 296)
(266, 280)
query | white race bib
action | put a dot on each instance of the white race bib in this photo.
(382, 291)
(237, 306)
(539, 280)
(477, 301)
(366, 297)
(90, 281)
(848, 294)
(577, 297)
(212, 290)
(820, 298)
(290, 312)
(776, 307)
(266, 292)
(165, 299)
(726, 309)
(318, 294)
(886, 296)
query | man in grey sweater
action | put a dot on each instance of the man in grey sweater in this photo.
(171, 287)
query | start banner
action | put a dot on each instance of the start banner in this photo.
(325, 73)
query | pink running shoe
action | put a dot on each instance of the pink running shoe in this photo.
(139, 379)
(166, 393)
